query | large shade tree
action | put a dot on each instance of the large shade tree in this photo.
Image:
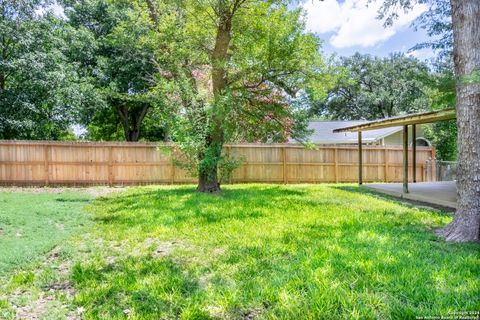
(466, 43)
(114, 48)
(371, 87)
(39, 89)
(240, 70)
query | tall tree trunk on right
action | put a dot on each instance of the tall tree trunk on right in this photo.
(466, 31)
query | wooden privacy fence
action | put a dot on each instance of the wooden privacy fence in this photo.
(95, 163)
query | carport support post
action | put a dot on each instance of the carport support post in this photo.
(414, 153)
(360, 159)
(405, 159)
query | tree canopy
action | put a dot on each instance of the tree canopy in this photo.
(244, 67)
(371, 88)
(114, 48)
(39, 88)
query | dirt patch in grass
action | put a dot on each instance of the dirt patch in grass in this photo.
(49, 298)
(34, 310)
(103, 191)
(165, 248)
(252, 314)
(97, 191)
(42, 307)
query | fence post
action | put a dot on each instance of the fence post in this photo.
(336, 164)
(172, 166)
(46, 164)
(360, 159)
(110, 166)
(385, 156)
(405, 159)
(414, 153)
(245, 163)
(434, 165)
(228, 150)
(284, 155)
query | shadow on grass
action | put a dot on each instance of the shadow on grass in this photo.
(151, 288)
(181, 205)
(72, 200)
(398, 270)
(401, 201)
(318, 253)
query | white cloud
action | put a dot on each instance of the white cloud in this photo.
(353, 22)
(422, 54)
(58, 10)
(324, 16)
(55, 8)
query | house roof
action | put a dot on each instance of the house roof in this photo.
(323, 132)
(416, 118)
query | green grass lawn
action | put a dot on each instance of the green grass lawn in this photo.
(256, 251)
(31, 224)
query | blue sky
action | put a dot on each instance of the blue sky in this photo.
(348, 26)
(402, 41)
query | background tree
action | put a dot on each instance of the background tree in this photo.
(437, 22)
(466, 35)
(115, 49)
(39, 90)
(372, 88)
(441, 95)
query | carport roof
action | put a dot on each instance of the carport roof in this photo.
(416, 118)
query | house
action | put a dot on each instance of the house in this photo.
(323, 134)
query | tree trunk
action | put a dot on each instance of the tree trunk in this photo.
(131, 127)
(4, 57)
(466, 31)
(133, 135)
(208, 183)
(208, 177)
(153, 13)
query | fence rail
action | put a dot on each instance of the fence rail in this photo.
(96, 163)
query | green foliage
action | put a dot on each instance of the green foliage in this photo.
(123, 74)
(444, 137)
(115, 49)
(103, 125)
(40, 91)
(441, 94)
(272, 70)
(227, 165)
(372, 88)
(473, 78)
(437, 21)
